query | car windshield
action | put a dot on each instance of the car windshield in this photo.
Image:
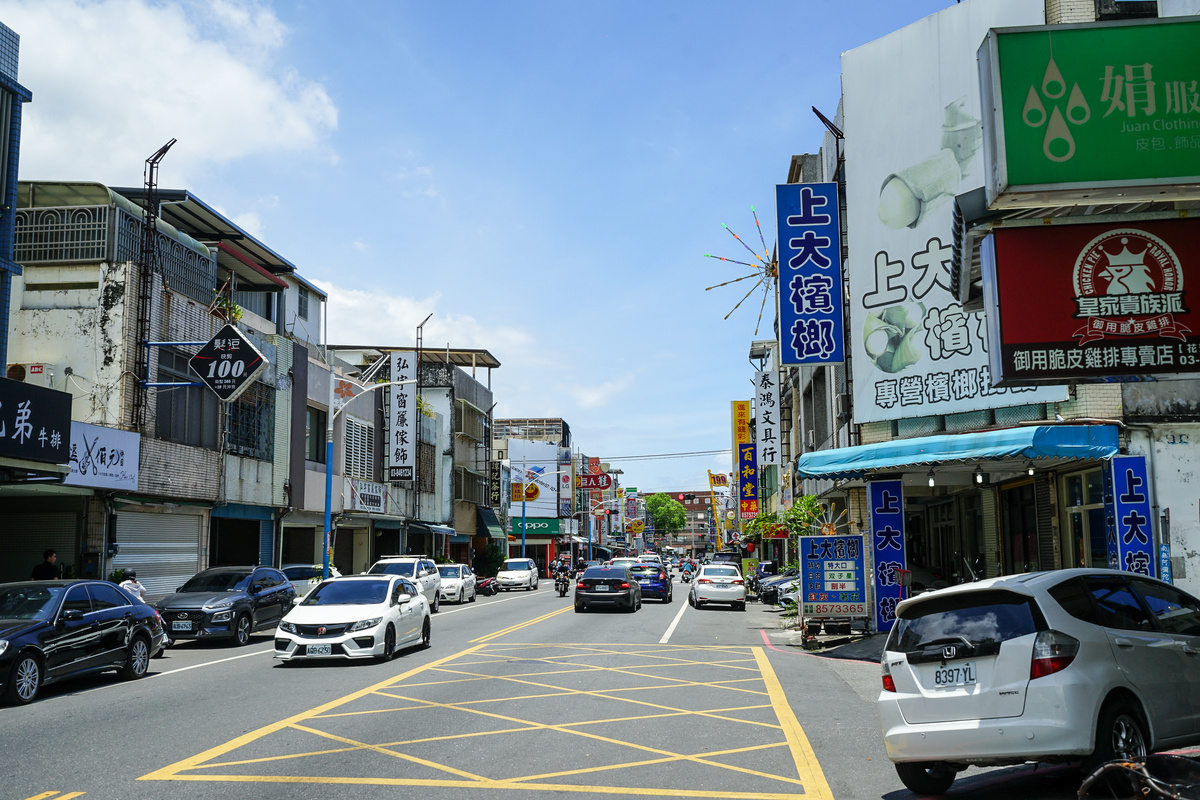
(450, 572)
(514, 566)
(976, 618)
(348, 593)
(222, 581)
(29, 602)
(404, 568)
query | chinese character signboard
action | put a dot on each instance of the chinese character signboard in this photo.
(228, 364)
(366, 495)
(104, 458)
(1109, 107)
(748, 482)
(886, 511)
(810, 274)
(1078, 302)
(766, 407)
(495, 490)
(1135, 548)
(35, 422)
(401, 449)
(913, 143)
(832, 577)
(741, 421)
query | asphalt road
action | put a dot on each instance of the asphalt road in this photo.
(518, 697)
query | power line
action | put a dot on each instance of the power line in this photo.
(654, 456)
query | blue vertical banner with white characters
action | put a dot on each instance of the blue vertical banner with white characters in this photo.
(886, 513)
(811, 327)
(1136, 551)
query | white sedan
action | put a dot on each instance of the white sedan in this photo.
(357, 616)
(718, 583)
(458, 583)
(517, 573)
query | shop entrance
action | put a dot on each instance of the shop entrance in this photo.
(1018, 516)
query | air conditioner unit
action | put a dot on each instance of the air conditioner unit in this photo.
(39, 374)
(812, 440)
(841, 405)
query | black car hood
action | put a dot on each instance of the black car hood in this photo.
(199, 599)
(12, 628)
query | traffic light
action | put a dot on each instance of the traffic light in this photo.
(689, 497)
(681, 497)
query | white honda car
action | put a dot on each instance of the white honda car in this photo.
(1072, 665)
(517, 573)
(356, 616)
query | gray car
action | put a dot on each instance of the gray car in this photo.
(227, 603)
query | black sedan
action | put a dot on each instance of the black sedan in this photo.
(227, 603)
(604, 587)
(50, 630)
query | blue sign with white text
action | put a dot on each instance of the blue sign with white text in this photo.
(832, 577)
(886, 512)
(810, 274)
(1136, 551)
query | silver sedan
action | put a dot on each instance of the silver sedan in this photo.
(718, 583)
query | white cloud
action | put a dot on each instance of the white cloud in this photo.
(601, 395)
(113, 80)
(250, 222)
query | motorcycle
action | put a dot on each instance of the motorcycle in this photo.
(486, 586)
(562, 583)
(687, 576)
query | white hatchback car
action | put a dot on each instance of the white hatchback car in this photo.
(1072, 665)
(517, 573)
(358, 616)
(458, 583)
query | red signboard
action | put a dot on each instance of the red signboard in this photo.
(1079, 302)
(601, 481)
(775, 531)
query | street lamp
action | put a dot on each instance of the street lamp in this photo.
(329, 456)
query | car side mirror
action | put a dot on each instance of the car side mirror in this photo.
(401, 599)
(296, 600)
(72, 615)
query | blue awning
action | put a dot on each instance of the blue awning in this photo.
(1035, 443)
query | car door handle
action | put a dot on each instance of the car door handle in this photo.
(1119, 642)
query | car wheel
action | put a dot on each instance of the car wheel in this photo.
(691, 600)
(137, 660)
(1120, 734)
(389, 644)
(580, 609)
(462, 597)
(535, 584)
(670, 596)
(436, 604)
(926, 777)
(474, 594)
(25, 680)
(741, 606)
(241, 630)
(426, 635)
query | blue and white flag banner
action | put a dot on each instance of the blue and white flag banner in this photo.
(1135, 547)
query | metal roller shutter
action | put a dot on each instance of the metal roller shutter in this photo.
(24, 537)
(163, 548)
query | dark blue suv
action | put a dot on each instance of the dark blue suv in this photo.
(654, 580)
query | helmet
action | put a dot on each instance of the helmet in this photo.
(131, 573)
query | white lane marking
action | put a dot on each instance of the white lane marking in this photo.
(468, 606)
(674, 622)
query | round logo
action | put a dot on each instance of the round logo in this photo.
(1126, 261)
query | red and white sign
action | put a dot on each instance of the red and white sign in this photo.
(1093, 301)
(601, 481)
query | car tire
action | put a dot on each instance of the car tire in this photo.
(137, 660)
(670, 596)
(389, 644)
(740, 606)
(1120, 734)
(436, 605)
(24, 680)
(535, 584)
(926, 777)
(580, 609)
(426, 635)
(462, 597)
(474, 594)
(241, 630)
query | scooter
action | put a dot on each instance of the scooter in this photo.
(486, 586)
(687, 576)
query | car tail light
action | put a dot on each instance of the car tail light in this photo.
(889, 685)
(581, 585)
(1053, 651)
(738, 581)
(704, 580)
(624, 585)
(662, 576)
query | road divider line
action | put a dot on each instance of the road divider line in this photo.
(519, 626)
(807, 766)
(671, 628)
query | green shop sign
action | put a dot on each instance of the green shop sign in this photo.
(1081, 107)
(536, 526)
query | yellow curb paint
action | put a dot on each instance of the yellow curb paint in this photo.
(807, 766)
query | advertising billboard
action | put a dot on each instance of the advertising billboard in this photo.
(1105, 110)
(1094, 301)
(886, 518)
(833, 577)
(810, 274)
(400, 428)
(533, 466)
(913, 141)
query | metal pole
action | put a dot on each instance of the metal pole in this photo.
(524, 488)
(329, 418)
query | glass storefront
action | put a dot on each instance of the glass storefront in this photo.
(1083, 541)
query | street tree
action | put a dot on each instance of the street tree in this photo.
(666, 514)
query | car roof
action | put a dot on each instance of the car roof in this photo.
(1028, 583)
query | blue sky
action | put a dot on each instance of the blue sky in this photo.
(543, 177)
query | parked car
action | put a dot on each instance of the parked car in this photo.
(227, 603)
(653, 580)
(51, 630)
(1070, 665)
(517, 573)
(458, 583)
(418, 569)
(718, 583)
(611, 586)
(769, 588)
(357, 616)
(305, 577)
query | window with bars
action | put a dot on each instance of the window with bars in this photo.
(185, 414)
(302, 303)
(360, 450)
(469, 421)
(250, 423)
(426, 468)
(315, 423)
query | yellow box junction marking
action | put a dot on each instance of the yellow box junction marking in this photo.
(741, 675)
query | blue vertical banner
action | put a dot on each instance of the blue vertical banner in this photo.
(886, 514)
(1136, 551)
(811, 329)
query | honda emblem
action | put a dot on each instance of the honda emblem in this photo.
(321, 632)
(949, 652)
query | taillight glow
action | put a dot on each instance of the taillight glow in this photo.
(704, 580)
(1053, 651)
(889, 685)
(581, 585)
(738, 581)
(624, 585)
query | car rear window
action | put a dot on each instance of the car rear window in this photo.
(604, 572)
(404, 568)
(983, 620)
(647, 569)
(724, 572)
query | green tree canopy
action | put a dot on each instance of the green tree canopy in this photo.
(667, 515)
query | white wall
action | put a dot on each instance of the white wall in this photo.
(1176, 465)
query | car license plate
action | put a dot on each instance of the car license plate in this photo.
(181, 626)
(644, 583)
(961, 674)
(604, 587)
(318, 650)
